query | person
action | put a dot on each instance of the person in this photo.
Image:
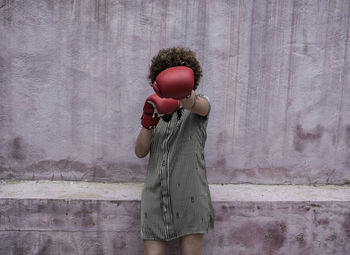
(175, 200)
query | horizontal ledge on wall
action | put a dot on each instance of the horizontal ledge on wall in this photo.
(79, 190)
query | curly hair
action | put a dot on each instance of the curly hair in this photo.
(176, 56)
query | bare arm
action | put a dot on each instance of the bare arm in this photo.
(196, 104)
(143, 142)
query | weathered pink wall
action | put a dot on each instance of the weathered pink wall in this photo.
(73, 84)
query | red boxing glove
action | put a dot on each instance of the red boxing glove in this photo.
(155, 107)
(175, 82)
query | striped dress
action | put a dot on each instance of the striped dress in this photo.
(175, 198)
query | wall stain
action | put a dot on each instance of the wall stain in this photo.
(45, 249)
(347, 142)
(347, 135)
(17, 148)
(302, 137)
(332, 237)
(315, 205)
(221, 241)
(271, 235)
(85, 216)
(3, 3)
(305, 207)
(276, 237)
(115, 202)
(323, 221)
(274, 172)
(219, 218)
(57, 221)
(41, 208)
(283, 227)
(220, 164)
(118, 246)
(220, 140)
(240, 172)
(301, 240)
(67, 169)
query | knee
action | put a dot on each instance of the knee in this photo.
(154, 252)
(154, 248)
(192, 244)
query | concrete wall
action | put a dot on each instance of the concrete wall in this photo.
(73, 84)
(93, 227)
(88, 218)
(73, 81)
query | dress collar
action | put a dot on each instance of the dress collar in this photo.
(167, 117)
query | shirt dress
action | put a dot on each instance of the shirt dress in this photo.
(175, 199)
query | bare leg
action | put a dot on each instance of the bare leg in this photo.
(154, 247)
(192, 244)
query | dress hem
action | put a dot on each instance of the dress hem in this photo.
(178, 235)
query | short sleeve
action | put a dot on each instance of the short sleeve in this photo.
(207, 99)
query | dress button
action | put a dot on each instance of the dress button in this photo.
(192, 199)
